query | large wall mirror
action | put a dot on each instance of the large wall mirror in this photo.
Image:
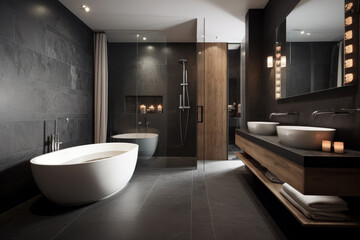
(314, 49)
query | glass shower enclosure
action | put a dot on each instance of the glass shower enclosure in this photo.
(152, 97)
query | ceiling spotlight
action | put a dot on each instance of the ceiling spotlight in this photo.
(137, 35)
(308, 34)
(302, 32)
(144, 38)
(85, 8)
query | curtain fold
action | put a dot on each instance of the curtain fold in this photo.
(101, 88)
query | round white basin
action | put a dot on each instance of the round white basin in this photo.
(262, 128)
(304, 137)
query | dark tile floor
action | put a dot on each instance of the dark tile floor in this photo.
(217, 200)
(213, 201)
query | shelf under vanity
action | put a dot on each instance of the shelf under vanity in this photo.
(310, 172)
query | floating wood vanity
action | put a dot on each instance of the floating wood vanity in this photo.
(310, 172)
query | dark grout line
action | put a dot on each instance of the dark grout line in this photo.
(207, 196)
(67, 225)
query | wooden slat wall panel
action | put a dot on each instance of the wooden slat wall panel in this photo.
(216, 101)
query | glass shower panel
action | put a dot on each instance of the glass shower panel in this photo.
(122, 85)
(151, 94)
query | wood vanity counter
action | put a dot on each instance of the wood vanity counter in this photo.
(310, 172)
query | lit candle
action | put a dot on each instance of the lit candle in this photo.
(326, 145)
(152, 108)
(159, 108)
(339, 147)
(142, 109)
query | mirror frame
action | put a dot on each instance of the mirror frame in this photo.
(351, 55)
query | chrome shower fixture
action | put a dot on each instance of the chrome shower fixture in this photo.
(184, 101)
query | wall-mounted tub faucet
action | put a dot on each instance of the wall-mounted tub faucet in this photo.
(282, 114)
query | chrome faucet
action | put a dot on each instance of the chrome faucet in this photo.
(342, 111)
(147, 122)
(54, 142)
(282, 114)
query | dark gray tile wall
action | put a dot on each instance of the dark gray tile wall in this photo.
(46, 73)
(152, 70)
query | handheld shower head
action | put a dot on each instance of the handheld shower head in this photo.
(182, 61)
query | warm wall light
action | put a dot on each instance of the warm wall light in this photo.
(348, 78)
(348, 21)
(349, 63)
(349, 6)
(270, 61)
(349, 49)
(283, 61)
(348, 35)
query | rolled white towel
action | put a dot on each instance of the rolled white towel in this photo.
(316, 203)
(323, 216)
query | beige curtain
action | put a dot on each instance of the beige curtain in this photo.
(101, 87)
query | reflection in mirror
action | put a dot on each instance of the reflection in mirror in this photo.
(314, 48)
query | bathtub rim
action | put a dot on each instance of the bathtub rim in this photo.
(135, 135)
(34, 160)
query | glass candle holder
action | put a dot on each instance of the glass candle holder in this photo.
(326, 146)
(339, 147)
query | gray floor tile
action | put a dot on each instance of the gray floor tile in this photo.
(171, 204)
(203, 232)
(36, 219)
(244, 232)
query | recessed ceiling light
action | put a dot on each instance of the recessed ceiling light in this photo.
(137, 35)
(144, 38)
(85, 8)
(302, 32)
(308, 34)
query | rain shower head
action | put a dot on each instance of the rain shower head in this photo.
(182, 61)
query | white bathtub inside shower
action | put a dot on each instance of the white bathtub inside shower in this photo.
(147, 142)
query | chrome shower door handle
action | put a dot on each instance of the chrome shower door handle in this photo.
(200, 114)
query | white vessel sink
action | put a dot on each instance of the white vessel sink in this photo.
(303, 137)
(262, 128)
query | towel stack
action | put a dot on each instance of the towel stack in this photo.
(324, 208)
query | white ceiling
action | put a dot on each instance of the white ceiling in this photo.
(323, 19)
(173, 20)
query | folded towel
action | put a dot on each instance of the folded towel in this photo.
(316, 203)
(269, 175)
(323, 216)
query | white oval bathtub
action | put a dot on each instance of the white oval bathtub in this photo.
(147, 142)
(84, 174)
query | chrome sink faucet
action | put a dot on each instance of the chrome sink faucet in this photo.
(342, 111)
(282, 114)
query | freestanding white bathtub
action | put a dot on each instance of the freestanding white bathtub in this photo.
(147, 142)
(84, 174)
